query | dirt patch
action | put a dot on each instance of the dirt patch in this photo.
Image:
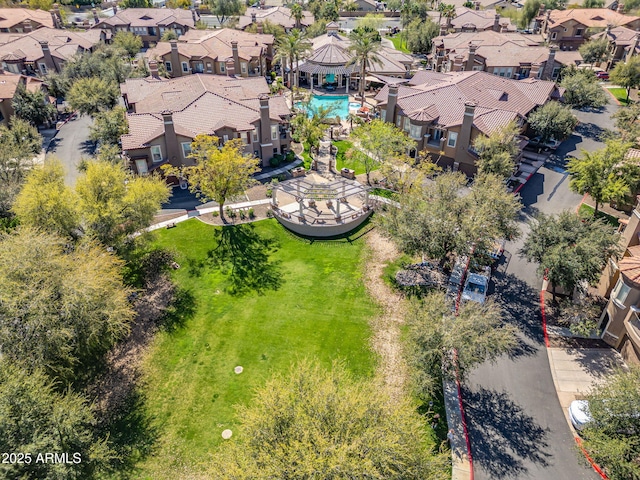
(113, 388)
(260, 212)
(386, 327)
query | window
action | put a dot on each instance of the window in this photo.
(416, 131)
(185, 67)
(178, 31)
(503, 71)
(477, 68)
(398, 121)
(186, 149)
(383, 115)
(156, 153)
(243, 136)
(255, 134)
(274, 132)
(43, 68)
(198, 68)
(208, 67)
(407, 125)
(222, 67)
(168, 66)
(161, 30)
(556, 72)
(141, 166)
(620, 292)
(451, 139)
(225, 139)
(579, 32)
(243, 67)
(436, 135)
(554, 35)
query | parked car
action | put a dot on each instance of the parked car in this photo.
(476, 286)
(579, 414)
(551, 144)
(602, 75)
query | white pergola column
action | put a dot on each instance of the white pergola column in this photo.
(274, 202)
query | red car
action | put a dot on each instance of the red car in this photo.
(602, 75)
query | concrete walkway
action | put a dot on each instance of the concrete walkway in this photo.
(278, 171)
(460, 464)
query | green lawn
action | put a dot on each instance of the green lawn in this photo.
(399, 43)
(620, 94)
(320, 311)
(343, 162)
(588, 211)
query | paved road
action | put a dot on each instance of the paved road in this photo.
(70, 145)
(517, 426)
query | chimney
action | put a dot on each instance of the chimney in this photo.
(48, 59)
(443, 30)
(194, 16)
(392, 101)
(236, 57)
(230, 67)
(27, 26)
(541, 9)
(548, 67)
(476, 5)
(535, 70)
(260, 28)
(472, 55)
(464, 140)
(262, 5)
(96, 19)
(253, 17)
(176, 66)
(504, 28)
(636, 42)
(608, 28)
(115, 9)
(266, 144)
(620, 8)
(153, 69)
(54, 19)
(170, 139)
(496, 23)
(457, 63)
(56, 11)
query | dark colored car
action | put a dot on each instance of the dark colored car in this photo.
(602, 75)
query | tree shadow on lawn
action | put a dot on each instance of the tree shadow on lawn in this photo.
(245, 256)
(502, 435)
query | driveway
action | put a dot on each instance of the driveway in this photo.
(70, 145)
(517, 425)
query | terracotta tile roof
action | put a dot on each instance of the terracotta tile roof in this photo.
(10, 17)
(216, 44)
(622, 36)
(9, 83)
(149, 17)
(277, 15)
(443, 96)
(467, 18)
(62, 44)
(568, 57)
(590, 17)
(486, 37)
(630, 267)
(200, 104)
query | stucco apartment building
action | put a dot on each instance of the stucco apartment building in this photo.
(509, 55)
(19, 20)
(276, 15)
(445, 112)
(223, 51)
(568, 28)
(165, 115)
(9, 83)
(149, 23)
(623, 43)
(472, 20)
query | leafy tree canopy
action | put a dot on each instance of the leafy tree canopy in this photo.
(627, 74)
(595, 51)
(553, 120)
(582, 88)
(34, 107)
(498, 151)
(92, 95)
(129, 42)
(109, 126)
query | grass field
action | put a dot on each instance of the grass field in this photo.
(343, 162)
(320, 310)
(588, 211)
(620, 94)
(399, 43)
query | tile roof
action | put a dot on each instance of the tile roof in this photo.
(442, 96)
(590, 17)
(622, 36)
(277, 15)
(629, 267)
(62, 43)
(467, 18)
(149, 17)
(216, 44)
(199, 103)
(9, 83)
(10, 17)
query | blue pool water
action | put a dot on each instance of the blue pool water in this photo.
(340, 104)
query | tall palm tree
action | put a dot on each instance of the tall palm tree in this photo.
(296, 13)
(365, 44)
(447, 11)
(291, 49)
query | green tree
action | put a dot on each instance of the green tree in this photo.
(219, 173)
(109, 126)
(268, 28)
(553, 120)
(627, 123)
(364, 47)
(184, 4)
(169, 35)
(223, 9)
(498, 151)
(59, 310)
(92, 95)
(372, 21)
(627, 74)
(612, 437)
(34, 107)
(595, 51)
(136, 4)
(35, 418)
(114, 204)
(45, 202)
(420, 34)
(477, 333)
(568, 249)
(604, 174)
(325, 424)
(19, 145)
(379, 141)
(291, 49)
(447, 11)
(593, 4)
(582, 88)
(129, 42)
(297, 13)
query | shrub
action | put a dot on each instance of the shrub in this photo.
(215, 213)
(243, 215)
(269, 214)
(269, 193)
(282, 177)
(291, 156)
(251, 213)
(232, 214)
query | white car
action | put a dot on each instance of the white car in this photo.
(579, 414)
(550, 143)
(476, 286)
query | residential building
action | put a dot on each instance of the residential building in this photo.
(620, 282)
(19, 20)
(149, 23)
(623, 43)
(276, 15)
(46, 49)
(368, 5)
(510, 55)
(568, 28)
(445, 112)
(9, 83)
(472, 20)
(165, 115)
(223, 51)
(331, 62)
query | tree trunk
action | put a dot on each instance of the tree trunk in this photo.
(595, 210)
(628, 92)
(221, 207)
(368, 180)
(553, 291)
(362, 73)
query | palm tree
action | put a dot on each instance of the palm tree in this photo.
(291, 49)
(364, 47)
(297, 13)
(447, 11)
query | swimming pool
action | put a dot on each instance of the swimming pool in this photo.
(340, 103)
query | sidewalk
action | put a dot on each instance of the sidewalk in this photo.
(460, 464)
